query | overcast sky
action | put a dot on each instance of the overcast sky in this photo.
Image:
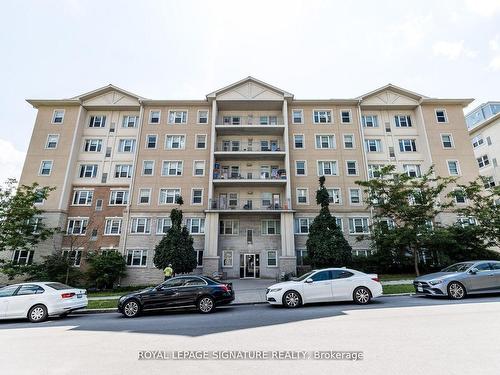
(186, 49)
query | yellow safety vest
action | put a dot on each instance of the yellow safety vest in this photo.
(168, 271)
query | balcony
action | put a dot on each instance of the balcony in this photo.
(248, 205)
(237, 150)
(236, 177)
(250, 125)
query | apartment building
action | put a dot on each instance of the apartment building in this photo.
(246, 160)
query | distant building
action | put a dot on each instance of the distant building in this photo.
(482, 113)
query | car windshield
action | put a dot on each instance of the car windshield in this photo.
(459, 267)
(58, 286)
(304, 276)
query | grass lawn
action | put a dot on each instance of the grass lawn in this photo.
(400, 288)
(103, 304)
(105, 294)
(398, 276)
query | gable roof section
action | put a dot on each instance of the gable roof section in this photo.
(394, 88)
(246, 80)
(104, 90)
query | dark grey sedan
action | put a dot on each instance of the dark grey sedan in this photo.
(460, 279)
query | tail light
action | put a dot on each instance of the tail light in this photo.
(375, 279)
(225, 287)
(67, 295)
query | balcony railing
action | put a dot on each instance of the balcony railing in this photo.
(238, 146)
(278, 174)
(250, 120)
(253, 204)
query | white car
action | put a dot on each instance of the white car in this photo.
(38, 301)
(325, 285)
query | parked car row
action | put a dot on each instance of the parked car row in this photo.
(38, 301)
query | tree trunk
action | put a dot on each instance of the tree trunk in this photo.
(415, 259)
(67, 276)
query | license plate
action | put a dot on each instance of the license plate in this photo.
(420, 289)
(79, 295)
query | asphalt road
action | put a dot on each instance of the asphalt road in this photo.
(410, 335)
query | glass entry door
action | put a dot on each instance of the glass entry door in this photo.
(249, 266)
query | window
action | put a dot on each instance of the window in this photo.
(373, 145)
(325, 141)
(23, 257)
(163, 224)
(195, 225)
(177, 117)
(98, 121)
(123, 171)
(227, 258)
(197, 196)
(298, 140)
(466, 221)
(137, 258)
(369, 121)
(453, 168)
(338, 221)
(82, 197)
(88, 170)
(300, 167)
(140, 225)
(348, 141)
(148, 167)
(301, 257)
(335, 196)
(441, 115)
(270, 227)
(232, 120)
(130, 121)
(199, 168)
(266, 199)
(488, 141)
(354, 196)
(412, 170)
(459, 196)
(321, 276)
(229, 227)
(202, 117)
(447, 140)
(108, 152)
(233, 199)
(483, 161)
(322, 117)
(358, 225)
(345, 116)
(26, 290)
(77, 226)
(151, 141)
(118, 197)
(302, 225)
(74, 255)
(374, 170)
(52, 141)
(93, 145)
(297, 116)
(477, 141)
(154, 116)
(144, 196)
(407, 145)
(302, 196)
(272, 258)
(45, 167)
(201, 141)
(113, 226)
(199, 258)
(352, 167)
(58, 116)
(249, 236)
(171, 168)
(327, 168)
(489, 182)
(126, 145)
(174, 142)
(39, 196)
(169, 196)
(402, 121)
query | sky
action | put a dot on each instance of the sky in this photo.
(185, 49)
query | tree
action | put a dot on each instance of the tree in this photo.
(326, 245)
(176, 246)
(409, 204)
(55, 267)
(105, 269)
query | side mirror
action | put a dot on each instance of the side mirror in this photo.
(308, 281)
(473, 271)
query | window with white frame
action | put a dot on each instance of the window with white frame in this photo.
(272, 258)
(202, 117)
(302, 196)
(297, 116)
(441, 115)
(339, 222)
(298, 140)
(334, 195)
(374, 170)
(327, 168)
(201, 141)
(169, 196)
(477, 141)
(175, 142)
(58, 116)
(447, 140)
(231, 120)
(232, 199)
(123, 171)
(302, 225)
(358, 225)
(229, 227)
(45, 168)
(118, 197)
(151, 141)
(402, 121)
(412, 170)
(459, 196)
(266, 198)
(113, 226)
(23, 257)
(82, 197)
(199, 168)
(352, 167)
(126, 145)
(195, 225)
(97, 121)
(52, 141)
(348, 141)
(148, 167)
(73, 255)
(483, 161)
(300, 167)
(171, 168)
(93, 145)
(407, 145)
(465, 221)
(88, 170)
(325, 141)
(130, 121)
(177, 117)
(144, 196)
(369, 121)
(270, 227)
(39, 196)
(137, 258)
(355, 196)
(345, 116)
(373, 145)
(154, 116)
(227, 258)
(453, 168)
(140, 225)
(197, 196)
(322, 116)
(163, 224)
(77, 226)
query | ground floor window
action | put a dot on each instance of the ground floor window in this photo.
(272, 258)
(137, 258)
(227, 258)
(361, 252)
(199, 258)
(23, 257)
(358, 225)
(74, 255)
(301, 257)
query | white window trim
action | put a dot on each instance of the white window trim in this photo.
(196, 141)
(347, 169)
(358, 217)
(159, 219)
(309, 221)
(301, 116)
(118, 189)
(380, 147)
(142, 169)
(223, 258)
(140, 233)
(191, 218)
(159, 117)
(340, 195)
(297, 196)
(353, 141)
(112, 218)
(142, 252)
(40, 168)
(192, 196)
(134, 145)
(47, 141)
(267, 258)
(146, 143)
(81, 189)
(204, 168)
(277, 227)
(168, 188)
(139, 197)
(198, 117)
(451, 139)
(445, 115)
(334, 141)
(81, 218)
(303, 141)
(459, 173)
(332, 161)
(360, 197)
(178, 123)
(54, 116)
(350, 115)
(174, 135)
(332, 120)
(305, 168)
(176, 175)
(232, 227)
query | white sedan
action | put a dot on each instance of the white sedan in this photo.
(325, 285)
(38, 301)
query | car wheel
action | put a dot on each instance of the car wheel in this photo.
(362, 295)
(206, 304)
(131, 309)
(37, 314)
(456, 290)
(292, 299)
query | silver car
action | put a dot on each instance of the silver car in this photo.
(460, 279)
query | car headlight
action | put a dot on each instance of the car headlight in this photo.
(435, 282)
(122, 298)
(274, 290)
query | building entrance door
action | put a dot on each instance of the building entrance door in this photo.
(249, 266)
